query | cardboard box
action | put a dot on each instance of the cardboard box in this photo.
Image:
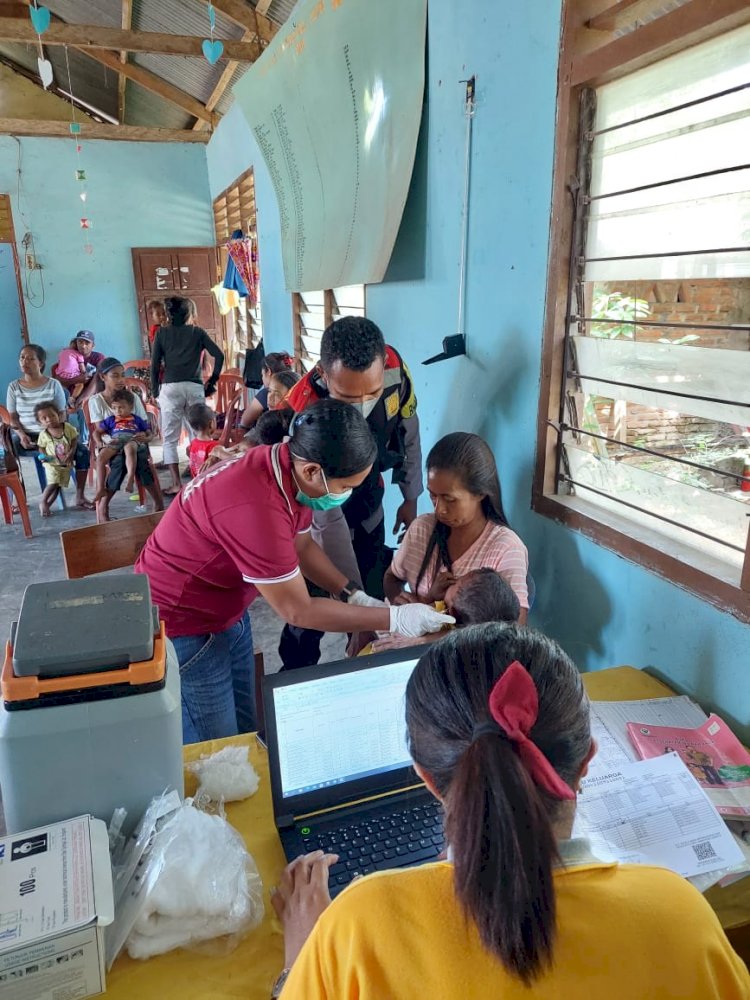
(55, 900)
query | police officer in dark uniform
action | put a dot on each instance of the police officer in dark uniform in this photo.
(359, 368)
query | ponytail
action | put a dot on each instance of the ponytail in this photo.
(498, 820)
(504, 849)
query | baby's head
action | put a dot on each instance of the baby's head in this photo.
(48, 415)
(202, 420)
(272, 426)
(482, 596)
(122, 403)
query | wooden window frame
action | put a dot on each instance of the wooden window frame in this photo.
(330, 307)
(587, 62)
(9, 236)
(232, 210)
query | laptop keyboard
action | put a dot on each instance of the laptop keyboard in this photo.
(377, 841)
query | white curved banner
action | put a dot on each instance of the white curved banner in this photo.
(335, 104)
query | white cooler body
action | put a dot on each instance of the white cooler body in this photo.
(68, 760)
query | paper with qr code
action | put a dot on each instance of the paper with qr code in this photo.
(653, 812)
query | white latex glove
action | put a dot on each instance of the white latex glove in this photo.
(414, 620)
(362, 600)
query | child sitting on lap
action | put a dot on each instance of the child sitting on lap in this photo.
(57, 447)
(70, 364)
(202, 420)
(127, 433)
(482, 595)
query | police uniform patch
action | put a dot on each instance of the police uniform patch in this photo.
(391, 405)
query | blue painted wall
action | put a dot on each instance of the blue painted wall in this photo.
(603, 609)
(140, 194)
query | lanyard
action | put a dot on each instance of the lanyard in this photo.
(276, 465)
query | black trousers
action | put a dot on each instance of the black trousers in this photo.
(300, 647)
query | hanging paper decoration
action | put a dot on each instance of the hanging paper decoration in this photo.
(40, 18)
(45, 71)
(80, 173)
(213, 48)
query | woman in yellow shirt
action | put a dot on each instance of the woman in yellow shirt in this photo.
(498, 725)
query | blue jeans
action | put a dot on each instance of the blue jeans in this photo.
(217, 675)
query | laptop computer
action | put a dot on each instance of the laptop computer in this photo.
(341, 774)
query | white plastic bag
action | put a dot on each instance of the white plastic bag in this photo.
(196, 883)
(225, 776)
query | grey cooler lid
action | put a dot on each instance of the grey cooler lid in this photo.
(79, 626)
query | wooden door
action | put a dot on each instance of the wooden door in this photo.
(188, 271)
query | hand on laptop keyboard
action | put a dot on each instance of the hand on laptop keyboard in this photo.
(394, 840)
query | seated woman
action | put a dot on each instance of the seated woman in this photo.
(498, 728)
(277, 361)
(112, 374)
(279, 385)
(468, 530)
(24, 394)
(482, 595)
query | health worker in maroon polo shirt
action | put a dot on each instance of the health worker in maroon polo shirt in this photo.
(243, 529)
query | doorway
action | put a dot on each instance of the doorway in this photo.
(13, 331)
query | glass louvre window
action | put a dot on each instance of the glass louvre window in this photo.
(656, 394)
(314, 311)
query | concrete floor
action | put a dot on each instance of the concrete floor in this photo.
(39, 559)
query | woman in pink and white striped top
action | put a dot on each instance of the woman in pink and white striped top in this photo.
(467, 531)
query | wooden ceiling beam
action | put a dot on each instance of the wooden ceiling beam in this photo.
(248, 17)
(261, 7)
(607, 19)
(94, 130)
(150, 81)
(85, 36)
(694, 22)
(122, 81)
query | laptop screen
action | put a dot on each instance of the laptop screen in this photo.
(342, 727)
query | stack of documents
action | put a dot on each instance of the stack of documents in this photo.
(654, 811)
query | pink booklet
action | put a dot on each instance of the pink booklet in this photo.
(713, 755)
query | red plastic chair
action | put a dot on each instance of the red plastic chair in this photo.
(227, 387)
(11, 485)
(232, 432)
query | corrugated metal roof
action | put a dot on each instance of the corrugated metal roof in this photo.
(280, 10)
(98, 85)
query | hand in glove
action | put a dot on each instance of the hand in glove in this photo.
(414, 620)
(362, 600)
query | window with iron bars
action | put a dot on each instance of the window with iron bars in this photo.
(648, 433)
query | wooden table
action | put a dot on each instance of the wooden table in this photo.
(249, 971)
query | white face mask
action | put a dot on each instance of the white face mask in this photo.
(367, 407)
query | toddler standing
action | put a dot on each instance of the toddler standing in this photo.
(202, 420)
(57, 447)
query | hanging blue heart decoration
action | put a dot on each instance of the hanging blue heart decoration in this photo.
(211, 16)
(212, 50)
(40, 17)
